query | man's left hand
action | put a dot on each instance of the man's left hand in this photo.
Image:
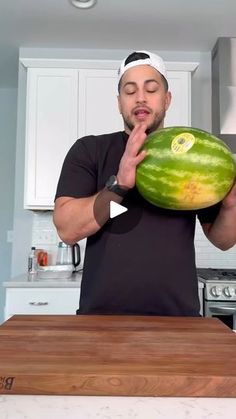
(230, 199)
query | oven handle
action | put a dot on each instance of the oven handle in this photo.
(223, 310)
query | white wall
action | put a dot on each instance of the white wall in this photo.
(8, 106)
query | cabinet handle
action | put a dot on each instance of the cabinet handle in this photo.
(38, 303)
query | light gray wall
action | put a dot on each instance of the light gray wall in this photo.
(201, 94)
(201, 85)
(22, 218)
(8, 106)
(201, 118)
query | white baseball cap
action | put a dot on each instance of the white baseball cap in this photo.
(148, 59)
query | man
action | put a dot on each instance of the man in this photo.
(147, 267)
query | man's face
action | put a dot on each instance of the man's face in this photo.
(143, 98)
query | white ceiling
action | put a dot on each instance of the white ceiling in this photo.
(169, 25)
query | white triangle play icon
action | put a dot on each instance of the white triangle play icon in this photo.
(116, 209)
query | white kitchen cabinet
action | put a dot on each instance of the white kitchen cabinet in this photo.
(179, 112)
(51, 128)
(98, 105)
(64, 104)
(41, 300)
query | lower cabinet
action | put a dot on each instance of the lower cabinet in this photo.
(50, 300)
(41, 301)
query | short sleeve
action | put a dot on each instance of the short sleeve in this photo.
(78, 178)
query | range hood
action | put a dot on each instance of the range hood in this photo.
(224, 91)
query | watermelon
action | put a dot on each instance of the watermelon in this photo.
(185, 169)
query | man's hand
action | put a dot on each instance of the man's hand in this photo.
(132, 157)
(230, 200)
(222, 233)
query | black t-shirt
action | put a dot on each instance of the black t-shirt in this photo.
(148, 270)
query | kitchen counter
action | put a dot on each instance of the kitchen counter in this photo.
(79, 407)
(21, 281)
(75, 281)
(42, 296)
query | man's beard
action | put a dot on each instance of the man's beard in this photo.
(156, 124)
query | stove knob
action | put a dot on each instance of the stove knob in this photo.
(216, 291)
(228, 291)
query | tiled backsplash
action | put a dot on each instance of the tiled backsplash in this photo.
(208, 256)
(44, 236)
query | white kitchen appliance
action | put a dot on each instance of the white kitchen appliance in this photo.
(68, 255)
(219, 296)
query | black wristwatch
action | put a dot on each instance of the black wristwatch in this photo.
(112, 186)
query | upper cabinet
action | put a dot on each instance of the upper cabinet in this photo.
(98, 105)
(51, 129)
(63, 104)
(179, 112)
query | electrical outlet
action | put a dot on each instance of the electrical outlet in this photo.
(9, 236)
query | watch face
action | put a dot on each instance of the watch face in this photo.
(112, 186)
(111, 181)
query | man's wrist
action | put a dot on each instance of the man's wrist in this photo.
(113, 185)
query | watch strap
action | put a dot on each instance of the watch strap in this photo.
(112, 186)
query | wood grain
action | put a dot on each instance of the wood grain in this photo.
(117, 355)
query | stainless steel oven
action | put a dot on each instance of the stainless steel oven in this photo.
(219, 294)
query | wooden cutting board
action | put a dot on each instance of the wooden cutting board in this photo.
(117, 355)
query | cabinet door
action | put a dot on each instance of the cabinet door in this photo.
(66, 104)
(98, 105)
(51, 128)
(41, 301)
(179, 112)
(98, 108)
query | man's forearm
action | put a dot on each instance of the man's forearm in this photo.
(74, 218)
(77, 218)
(222, 233)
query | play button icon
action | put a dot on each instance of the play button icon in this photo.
(113, 217)
(116, 209)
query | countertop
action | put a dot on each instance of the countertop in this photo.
(79, 407)
(21, 281)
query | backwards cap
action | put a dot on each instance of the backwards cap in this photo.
(146, 58)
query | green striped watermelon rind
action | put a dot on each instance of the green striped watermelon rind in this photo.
(185, 181)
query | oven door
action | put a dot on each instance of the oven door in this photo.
(225, 311)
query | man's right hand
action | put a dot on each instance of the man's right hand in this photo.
(74, 217)
(132, 157)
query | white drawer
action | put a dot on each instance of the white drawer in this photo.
(41, 301)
